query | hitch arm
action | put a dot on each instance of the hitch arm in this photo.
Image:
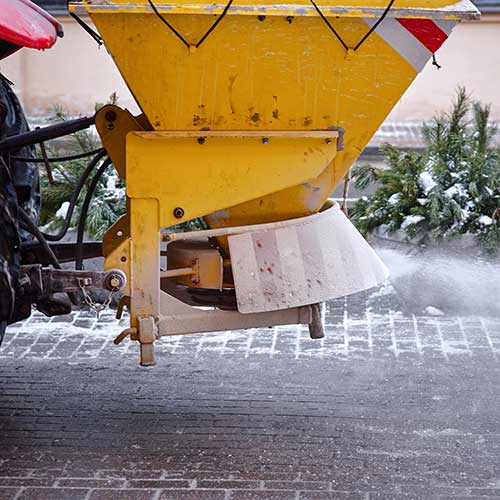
(36, 281)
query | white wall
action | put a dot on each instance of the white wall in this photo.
(76, 73)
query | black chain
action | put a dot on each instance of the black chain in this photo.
(97, 38)
(365, 37)
(179, 36)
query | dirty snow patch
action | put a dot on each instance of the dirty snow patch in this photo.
(433, 311)
(63, 210)
(426, 181)
(411, 219)
(485, 220)
(394, 199)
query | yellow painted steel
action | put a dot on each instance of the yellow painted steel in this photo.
(113, 124)
(204, 263)
(249, 7)
(260, 75)
(268, 69)
(221, 172)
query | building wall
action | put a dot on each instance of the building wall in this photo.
(471, 57)
(76, 73)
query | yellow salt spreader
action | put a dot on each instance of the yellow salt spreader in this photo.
(252, 112)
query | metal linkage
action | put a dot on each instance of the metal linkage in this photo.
(97, 307)
(37, 283)
(62, 280)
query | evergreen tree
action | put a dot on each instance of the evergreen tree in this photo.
(450, 188)
(108, 202)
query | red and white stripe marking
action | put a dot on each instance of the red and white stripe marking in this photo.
(414, 39)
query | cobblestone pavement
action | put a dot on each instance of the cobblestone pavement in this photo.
(387, 406)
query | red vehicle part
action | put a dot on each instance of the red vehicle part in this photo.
(24, 24)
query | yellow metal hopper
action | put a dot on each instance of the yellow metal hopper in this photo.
(252, 113)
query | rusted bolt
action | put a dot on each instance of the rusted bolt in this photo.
(178, 212)
(201, 140)
(289, 19)
(115, 282)
(110, 115)
(265, 140)
(261, 18)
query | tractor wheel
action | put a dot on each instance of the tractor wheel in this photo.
(24, 175)
(9, 247)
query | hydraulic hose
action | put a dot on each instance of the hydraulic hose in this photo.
(84, 211)
(31, 227)
(57, 159)
(44, 134)
(74, 197)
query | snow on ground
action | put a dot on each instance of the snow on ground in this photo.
(63, 210)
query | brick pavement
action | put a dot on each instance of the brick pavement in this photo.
(366, 326)
(387, 406)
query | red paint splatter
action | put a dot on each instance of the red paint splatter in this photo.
(270, 270)
(259, 244)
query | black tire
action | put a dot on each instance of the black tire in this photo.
(24, 175)
(19, 185)
(10, 245)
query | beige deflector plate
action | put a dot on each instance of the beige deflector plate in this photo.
(302, 261)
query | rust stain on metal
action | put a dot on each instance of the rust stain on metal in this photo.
(255, 118)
